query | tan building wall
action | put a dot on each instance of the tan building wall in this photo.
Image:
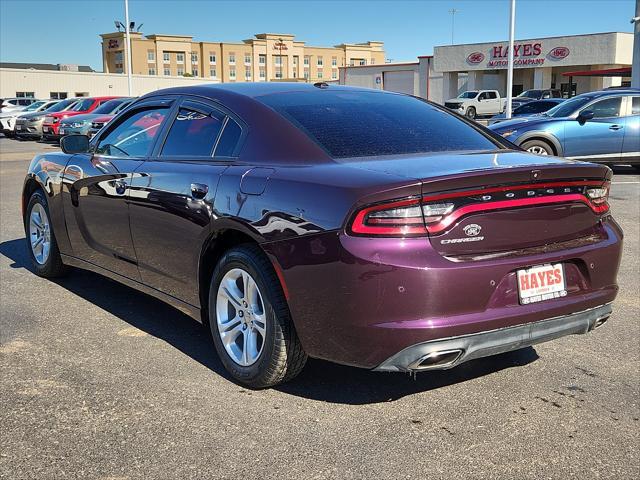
(268, 56)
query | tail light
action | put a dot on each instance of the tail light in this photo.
(432, 214)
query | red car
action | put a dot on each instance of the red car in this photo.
(84, 105)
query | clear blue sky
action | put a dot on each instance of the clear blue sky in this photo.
(57, 31)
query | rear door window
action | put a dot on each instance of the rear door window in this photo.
(194, 132)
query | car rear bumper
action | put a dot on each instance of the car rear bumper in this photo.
(451, 352)
(359, 301)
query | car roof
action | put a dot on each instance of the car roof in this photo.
(602, 93)
(255, 89)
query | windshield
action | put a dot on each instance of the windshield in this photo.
(568, 107)
(33, 106)
(110, 106)
(82, 105)
(531, 94)
(469, 94)
(62, 105)
(361, 124)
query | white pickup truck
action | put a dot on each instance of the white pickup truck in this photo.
(477, 103)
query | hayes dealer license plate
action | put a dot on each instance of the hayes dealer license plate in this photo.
(544, 282)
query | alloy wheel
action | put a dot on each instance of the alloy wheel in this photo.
(241, 317)
(39, 234)
(538, 150)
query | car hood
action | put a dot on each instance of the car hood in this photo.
(434, 165)
(84, 116)
(457, 100)
(522, 122)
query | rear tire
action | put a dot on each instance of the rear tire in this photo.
(41, 241)
(258, 345)
(538, 147)
(470, 113)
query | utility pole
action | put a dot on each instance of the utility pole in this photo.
(128, 35)
(453, 12)
(635, 68)
(512, 28)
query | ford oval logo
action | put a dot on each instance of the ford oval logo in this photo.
(475, 58)
(559, 53)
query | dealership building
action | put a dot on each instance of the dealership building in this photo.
(574, 64)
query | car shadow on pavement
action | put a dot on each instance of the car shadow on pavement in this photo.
(320, 380)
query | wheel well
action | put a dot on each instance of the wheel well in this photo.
(544, 140)
(215, 248)
(30, 186)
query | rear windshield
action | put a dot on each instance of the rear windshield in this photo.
(360, 124)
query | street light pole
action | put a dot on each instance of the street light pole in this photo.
(512, 28)
(635, 68)
(453, 12)
(128, 39)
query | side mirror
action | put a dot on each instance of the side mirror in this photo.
(74, 144)
(586, 115)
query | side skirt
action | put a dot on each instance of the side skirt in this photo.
(186, 308)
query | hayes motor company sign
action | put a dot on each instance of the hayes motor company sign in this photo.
(524, 55)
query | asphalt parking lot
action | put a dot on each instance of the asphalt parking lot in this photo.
(102, 382)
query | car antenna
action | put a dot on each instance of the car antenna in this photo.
(321, 85)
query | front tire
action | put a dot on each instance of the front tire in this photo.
(41, 241)
(471, 113)
(250, 321)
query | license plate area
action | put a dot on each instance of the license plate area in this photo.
(541, 283)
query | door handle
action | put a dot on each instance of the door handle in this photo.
(615, 127)
(199, 190)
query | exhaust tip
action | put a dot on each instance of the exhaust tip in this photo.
(437, 360)
(600, 322)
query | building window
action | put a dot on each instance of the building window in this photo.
(212, 58)
(351, 64)
(212, 73)
(334, 61)
(306, 60)
(320, 74)
(179, 57)
(334, 74)
(247, 73)
(194, 57)
(180, 71)
(372, 61)
(57, 95)
(25, 94)
(194, 72)
(232, 73)
(319, 61)
(118, 57)
(232, 59)
(247, 59)
(279, 72)
(263, 73)
(306, 74)
(262, 59)
(151, 56)
(295, 60)
(119, 69)
(363, 62)
(152, 71)
(165, 57)
(81, 94)
(278, 60)
(167, 72)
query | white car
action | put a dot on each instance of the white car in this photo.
(15, 104)
(8, 119)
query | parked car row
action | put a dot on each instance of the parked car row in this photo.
(51, 119)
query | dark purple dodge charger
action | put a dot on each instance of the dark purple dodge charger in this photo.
(359, 226)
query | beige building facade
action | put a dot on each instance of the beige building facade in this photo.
(267, 57)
